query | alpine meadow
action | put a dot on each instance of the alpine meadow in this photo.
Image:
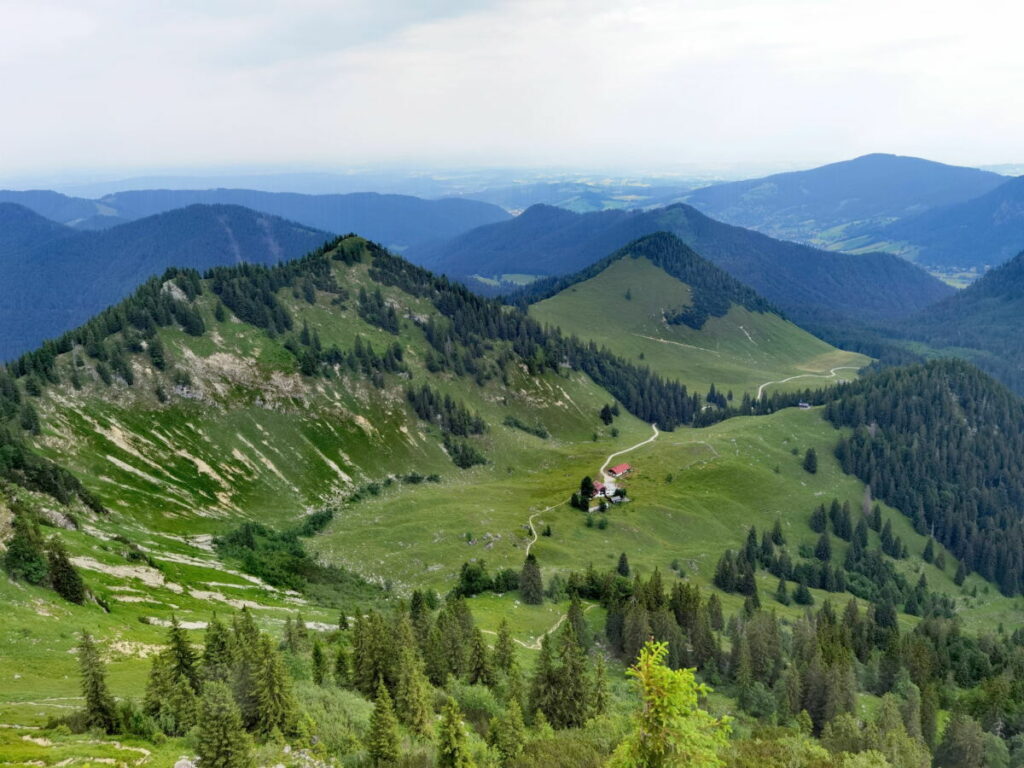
(511, 386)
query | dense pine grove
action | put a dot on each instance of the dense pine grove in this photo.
(943, 443)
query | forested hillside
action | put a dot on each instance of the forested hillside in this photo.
(975, 234)
(809, 285)
(980, 323)
(945, 444)
(352, 437)
(819, 205)
(396, 221)
(21, 229)
(52, 284)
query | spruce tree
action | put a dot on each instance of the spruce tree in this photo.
(183, 656)
(181, 709)
(542, 684)
(576, 619)
(811, 461)
(531, 586)
(572, 686)
(623, 567)
(802, 595)
(318, 663)
(823, 549)
(342, 675)
(509, 735)
(221, 741)
(275, 703)
(24, 559)
(504, 651)
(480, 668)
(819, 521)
(599, 689)
(782, 592)
(961, 574)
(217, 652)
(64, 579)
(246, 642)
(778, 538)
(413, 694)
(929, 551)
(99, 704)
(382, 740)
(452, 750)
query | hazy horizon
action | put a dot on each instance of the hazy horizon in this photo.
(121, 90)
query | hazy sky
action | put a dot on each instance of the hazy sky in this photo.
(148, 84)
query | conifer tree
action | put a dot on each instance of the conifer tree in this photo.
(24, 559)
(778, 538)
(531, 586)
(961, 574)
(782, 592)
(571, 700)
(382, 740)
(275, 703)
(929, 551)
(342, 674)
(819, 521)
(318, 663)
(99, 704)
(636, 630)
(823, 549)
(509, 735)
(811, 461)
(217, 652)
(579, 624)
(64, 579)
(623, 567)
(181, 709)
(452, 750)
(504, 652)
(434, 657)
(544, 680)
(182, 655)
(246, 642)
(413, 694)
(480, 668)
(802, 595)
(598, 697)
(715, 617)
(221, 741)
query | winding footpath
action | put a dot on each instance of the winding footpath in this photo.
(608, 461)
(830, 375)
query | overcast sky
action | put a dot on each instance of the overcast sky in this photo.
(139, 85)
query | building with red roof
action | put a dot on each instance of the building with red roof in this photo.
(619, 470)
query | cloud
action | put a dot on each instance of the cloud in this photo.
(94, 84)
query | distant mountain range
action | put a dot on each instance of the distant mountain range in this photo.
(817, 206)
(808, 284)
(981, 322)
(977, 234)
(55, 278)
(397, 221)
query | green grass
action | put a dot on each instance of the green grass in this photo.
(737, 352)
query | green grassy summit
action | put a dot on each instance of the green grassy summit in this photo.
(627, 307)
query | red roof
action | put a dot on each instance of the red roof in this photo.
(598, 486)
(620, 469)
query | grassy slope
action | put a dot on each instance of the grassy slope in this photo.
(721, 352)
(722, 479)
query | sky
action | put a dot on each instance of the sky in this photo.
(135, 86)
